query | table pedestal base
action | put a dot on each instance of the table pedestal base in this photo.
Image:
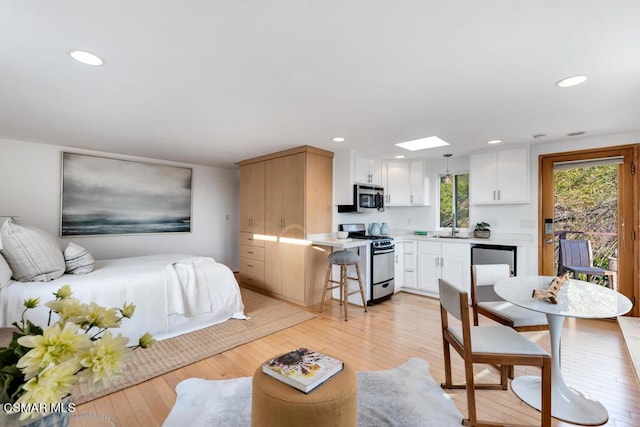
(567, 404)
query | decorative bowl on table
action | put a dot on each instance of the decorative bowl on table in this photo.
(342, 234)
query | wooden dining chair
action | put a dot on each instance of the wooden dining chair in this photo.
(485, 301)
(499, 345)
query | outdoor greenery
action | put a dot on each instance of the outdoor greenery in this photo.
(454, 191)
(586, 206)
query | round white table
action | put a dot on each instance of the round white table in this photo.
(575, 299)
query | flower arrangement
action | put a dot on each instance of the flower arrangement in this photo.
(41, 365)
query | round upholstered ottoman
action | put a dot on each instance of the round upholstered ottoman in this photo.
(333, 403)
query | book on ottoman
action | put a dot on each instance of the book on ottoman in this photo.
(302, 368)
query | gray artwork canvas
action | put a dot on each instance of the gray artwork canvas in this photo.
(104, 196)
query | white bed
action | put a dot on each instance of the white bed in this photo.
(173, 294)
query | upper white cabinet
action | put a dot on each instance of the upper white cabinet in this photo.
(350, 168)
(405, 183)
(500, 177)
(367, 170)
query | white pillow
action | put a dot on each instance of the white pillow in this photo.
(32, 254)
(78, 260)
(5, 272)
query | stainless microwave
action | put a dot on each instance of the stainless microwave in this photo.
(366, 198)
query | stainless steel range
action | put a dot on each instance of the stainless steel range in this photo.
(382, 262)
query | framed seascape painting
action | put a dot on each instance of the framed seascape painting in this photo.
(104, 196)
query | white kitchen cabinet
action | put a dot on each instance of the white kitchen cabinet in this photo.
(396, 188)
(410, 263)
(419, 184)
(500, 177)
(449, 261)
(406, 183)
(350, 168)
(398, 271)
(367, 170)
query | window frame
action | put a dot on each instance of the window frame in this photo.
(439, 226)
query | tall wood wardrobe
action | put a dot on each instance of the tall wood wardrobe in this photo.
(284, 198)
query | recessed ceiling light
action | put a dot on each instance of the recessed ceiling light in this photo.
(494, 141)
(400, 156)
(571, 81)
(87, 58)
(576, 133)
(338, 139)
(422, 143)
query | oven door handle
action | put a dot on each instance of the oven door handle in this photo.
(383, 251)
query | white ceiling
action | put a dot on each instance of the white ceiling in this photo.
(214, 82)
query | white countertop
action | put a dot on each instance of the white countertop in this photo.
(327, 240)
(507, 240)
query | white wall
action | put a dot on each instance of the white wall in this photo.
(30, 176)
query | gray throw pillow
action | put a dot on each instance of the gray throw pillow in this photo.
(32, 254)
(78, 259)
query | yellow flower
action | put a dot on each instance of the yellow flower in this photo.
(106, 358)
(96, 315)
(53, 346)
(69, 310)
(50, 386)
(63, 292)
(31, 302)
(146, 340)
(127, 310)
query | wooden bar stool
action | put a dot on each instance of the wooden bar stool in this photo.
(344, 259)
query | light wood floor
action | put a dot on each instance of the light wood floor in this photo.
(594, 361)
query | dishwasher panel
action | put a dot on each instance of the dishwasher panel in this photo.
(495, 254)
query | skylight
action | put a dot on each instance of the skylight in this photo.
(422, 143)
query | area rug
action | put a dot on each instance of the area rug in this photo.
(404, 396)
(266, 316)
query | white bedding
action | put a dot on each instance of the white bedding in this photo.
(161, 286)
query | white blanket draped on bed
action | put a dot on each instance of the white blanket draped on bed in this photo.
(187, 287)
(173, 294)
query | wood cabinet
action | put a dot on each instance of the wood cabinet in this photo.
(449, 261)
(252, 192)
(284, 196)
(405, 183)
(500, 177)
(296, 201)
(251, 260)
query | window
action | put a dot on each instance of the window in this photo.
(454, 198)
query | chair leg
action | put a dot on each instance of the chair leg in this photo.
(471, 395)
(448, 381)
(343, 288)
(504, 375)
(364, 303)
(326, 286)
(545, 413)
(342, 275)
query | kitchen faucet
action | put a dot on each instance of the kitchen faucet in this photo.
(453, 225)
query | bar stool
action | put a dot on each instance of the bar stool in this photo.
(344, 259)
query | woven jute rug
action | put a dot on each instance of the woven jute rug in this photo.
(266, 316)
